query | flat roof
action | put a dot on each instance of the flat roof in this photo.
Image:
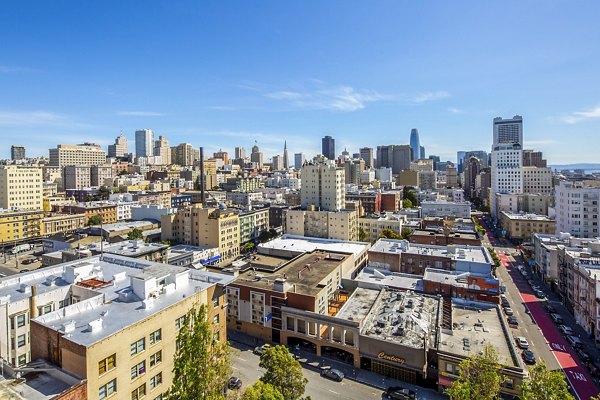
(121, 226)
(306, 244)
(527, 217)
(475, 325)
(378, 277)
(440, 232)
(357, 307)
(403, 317)
(129, 248)
(304, 272)
(477, 254)
(116, 304)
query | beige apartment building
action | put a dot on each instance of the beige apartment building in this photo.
(341, 225)
(114, 321)
(54, 223)
(80, 154)
(21, 187)
(523, 226)
(198, 226)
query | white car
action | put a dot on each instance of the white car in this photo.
(566, 330)
(522, 342)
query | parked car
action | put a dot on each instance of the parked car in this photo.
(575, 342)
(258, 350)
(594, 369)
(566, 330)
(531, 282)
(29, 261)
(528, 357)
(556, 318)
(234, 383)
(333, 374)
(522, 342)
(508, 311)
(512, 320)
(585, 357)
(550, 308)
(540, 295)
(505, 303)
(400, 393)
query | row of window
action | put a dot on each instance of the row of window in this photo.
(110, 388)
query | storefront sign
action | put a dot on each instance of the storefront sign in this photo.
(392, 358)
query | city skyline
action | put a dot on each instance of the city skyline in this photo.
(70, 75)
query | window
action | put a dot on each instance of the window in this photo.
(155, 358)
(22, 360)
(45, 309)
(450, 368)
(215, 301)
(155, 337)
(216, 319)
(155, 380)
(137, 370)
(138, 346)
(107, 364)
(139, 393)
(179, 322)
(19, 321)
(159, 397)
(20, 340)
(107, 390)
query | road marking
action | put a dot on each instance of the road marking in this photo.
(559, 346)
(333, 391)
(242, 359)
(578, 376)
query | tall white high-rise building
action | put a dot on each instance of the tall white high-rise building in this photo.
(144, 143)
(507, 159)
(508, 131)
(323, 186)
(576, 207)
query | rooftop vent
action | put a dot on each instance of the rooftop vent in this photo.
(95, 325)
(25, 288)
(68, 327)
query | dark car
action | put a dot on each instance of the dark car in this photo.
(397, 392)
(550, 308)
(594, 369)
(512, 320)
(539, 294)
(234, 383)
(585, 357)
(333, 374)
(29, 261)
(528, 357)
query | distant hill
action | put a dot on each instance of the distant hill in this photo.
(584, 166)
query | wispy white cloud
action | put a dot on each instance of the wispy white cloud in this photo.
(579, 116)
(140, 114)
(454, 110)
(340, 98)
(429, 96)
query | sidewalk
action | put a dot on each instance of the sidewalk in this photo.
(312, 361)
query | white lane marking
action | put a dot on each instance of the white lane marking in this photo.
(242, 359)
(333, 391)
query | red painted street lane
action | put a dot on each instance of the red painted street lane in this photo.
(577, 375)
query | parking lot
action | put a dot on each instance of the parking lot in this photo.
(29, 260)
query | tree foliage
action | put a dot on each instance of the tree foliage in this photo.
(135, 234)
(95, 220)
(104, 192)
(267, 235)
(390, 234)
(362, 235)
(283, 372)
(479, 377)
(262, 391)
(406, 233)
(89, 198)
(247, 247)
(544, 384)
(406, 203)
(202, 364)
(409, 193)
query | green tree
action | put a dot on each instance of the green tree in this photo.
(273, 233)
(479, 377)
(406, 203)
(264, 236)
(202, 364)
(122, 189)
(135, 234)
(390, 234)
(410, 194)
(247, 247)
(283, 372)
(89, 198)
(406, 233)
(362, 235)
(544, 384)
(95, 220)
(262, 391)
(104, 192)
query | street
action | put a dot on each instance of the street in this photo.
(245, 366)
(535, 324)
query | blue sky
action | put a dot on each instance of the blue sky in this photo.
(220, 74)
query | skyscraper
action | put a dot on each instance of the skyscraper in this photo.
(415, 145)
(240, 152)
(299, 160)
(422, 152)
(286, 160)
(119, 149)
(508, 131)
(366, 153)
(17, 152)
(256, 156)
(162, 149)
(144, 143)
(460, 160)
(323, 186)
(277, 163)
(396, 157)
(328, 147)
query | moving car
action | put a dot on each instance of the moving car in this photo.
(528, 357)
(333, 374)
(258, 350)
(397, 392)
(512, 320)
(234, 383)
(522, 342)
(508, 311)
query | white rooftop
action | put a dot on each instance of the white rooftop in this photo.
(478, 254)
(129, 248)
(528, 217)
(377, 278)
(303, 244)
